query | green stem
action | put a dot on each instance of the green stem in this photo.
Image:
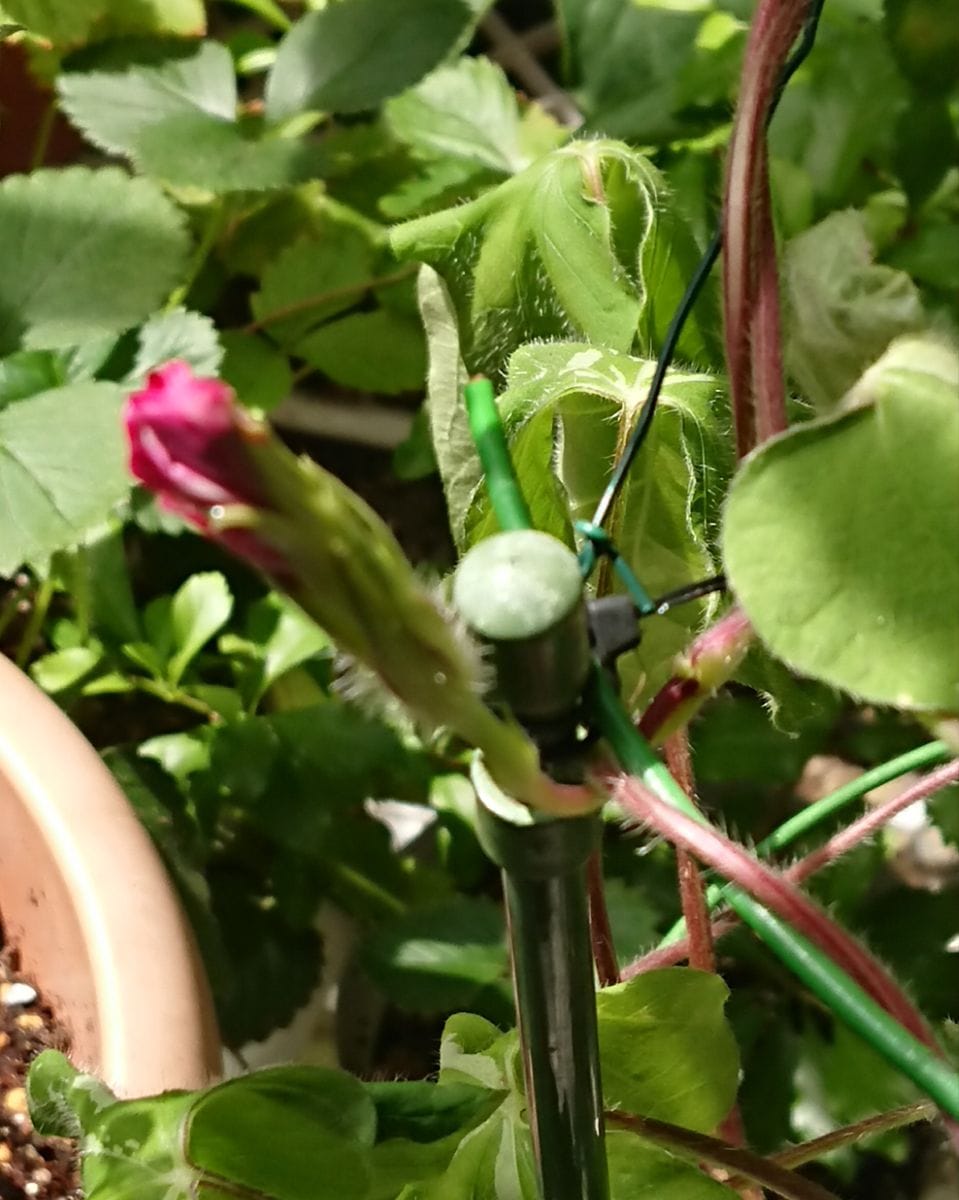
(270, 12)
(818, 972)
(215, 219)
(372, 895)
(505, 495)
(38, 614)
(330, 295)
(807, 820)
(44, 133)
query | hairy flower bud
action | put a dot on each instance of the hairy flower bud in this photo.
(227, 474)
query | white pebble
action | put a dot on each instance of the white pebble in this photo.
(16, 995)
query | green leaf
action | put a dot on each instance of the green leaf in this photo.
(579, 244)
(443, 957)
(200, 609)
(845, 309)
(297, 1133)
(63, 1103)
(259, 374)
(177, 334)
(283, 637)
(61, 21)
(113, 107)
(60, 230)
(467, 111)
(425, 1112)
(569, 409)
(351, 55)
(61, 670)
(323, 760)
(289, 1133)
(610, 45)
(312, 280)
(931, 254)
(837, 119)
(27, 372)
(639, 1171)
(178, 121)
(192, 150)
(666, 1049)
(62, 469)
(379, 351)
(456, 457)
(840, 535)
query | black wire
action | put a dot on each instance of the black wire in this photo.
(692, 591)
(692, 292)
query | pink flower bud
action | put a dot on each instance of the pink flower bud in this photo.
(189, 444)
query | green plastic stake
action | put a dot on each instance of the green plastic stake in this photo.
(820, 974)
(486, 427)
(521, 592)
(544, 881)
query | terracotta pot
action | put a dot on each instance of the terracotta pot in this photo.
(87, 902)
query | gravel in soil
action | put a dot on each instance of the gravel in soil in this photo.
(31, 1167)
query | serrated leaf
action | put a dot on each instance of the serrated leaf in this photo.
(179, 334)
(62, 469)
(350, 56)
(568, 410)
(840, 536)
(60, 231)
(845, 309)
(312, 280)
(380, 351)
(112, 107)
(581, 243)
(178, 121)
(194, 150)
(666, 1048)
(467, 111)
(258, 373)
(439, 958)
(199, 610)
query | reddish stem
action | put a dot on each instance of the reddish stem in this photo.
(779, 896)
(702, 954)
(601, 933)
(750, 277)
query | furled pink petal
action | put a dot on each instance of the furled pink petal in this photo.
(187, 445)
(185, 440)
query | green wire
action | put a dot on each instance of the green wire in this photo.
(816, 970)
(505, 495)
(815, 814)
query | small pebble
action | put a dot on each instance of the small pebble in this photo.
(31, 1189)
(5, 1153)
(15, 1100)
(29, 1022)
(4, 1041)
(17, 995)
(41, 1175)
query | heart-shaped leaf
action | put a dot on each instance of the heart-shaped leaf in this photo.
(840, 536)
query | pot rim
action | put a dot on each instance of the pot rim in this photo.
(87, 901)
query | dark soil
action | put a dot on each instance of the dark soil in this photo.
(31, 1167)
